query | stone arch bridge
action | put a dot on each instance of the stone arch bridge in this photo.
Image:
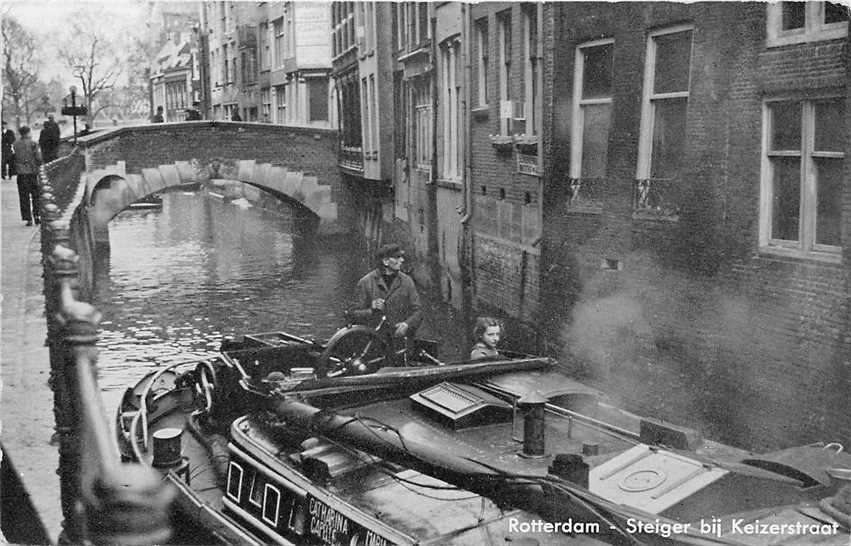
(296, 164)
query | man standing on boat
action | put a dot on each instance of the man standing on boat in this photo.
(388, 292)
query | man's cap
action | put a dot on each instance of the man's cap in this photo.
(390, 250)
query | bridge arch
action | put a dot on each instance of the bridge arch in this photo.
(125, 165)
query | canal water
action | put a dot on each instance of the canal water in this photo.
(181, 278)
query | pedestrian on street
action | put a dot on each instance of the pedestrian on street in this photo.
(235, 116)
(158, 117)
(389, 293)
(27, 161)
(48, 139)
(8, 165)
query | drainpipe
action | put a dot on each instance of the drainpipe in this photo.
(542, 178)
(468, 77)
(466, 242)
(433, 245)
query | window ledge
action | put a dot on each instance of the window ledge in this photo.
(450, 183)
(795, 254)
(481, 112)
(806, 37)
(502, 143)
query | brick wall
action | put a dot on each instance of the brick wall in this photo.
(696, 308)
(506, 222)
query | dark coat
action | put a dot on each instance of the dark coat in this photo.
(480, 350)
(8, 140)
(402, 301)
(48, 139)
(27, 157)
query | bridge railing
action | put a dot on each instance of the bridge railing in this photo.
(104, 501)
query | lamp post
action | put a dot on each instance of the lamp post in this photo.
(73, 110)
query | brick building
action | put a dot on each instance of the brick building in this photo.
(506, 126)
(697, 209)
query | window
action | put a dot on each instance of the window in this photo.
(266, 108)
(369, 26)
(234, 481)
(264, 51)
(450, 110)
(592, 109)
(373, 116)
(797, 22)
(663, 112)
(530, 72)
(803, 160)
(482, 61)
(343, 23)
(279, 42)
(506, 107)
(401, 11)
(289, 42)
(226, 69)
(423, 30)
(504, 19)
(366, 114)
(318, 97)
(271, 504)
(422, 123)
(280, 104)
(255, 496)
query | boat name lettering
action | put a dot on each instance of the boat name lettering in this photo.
(326, 523)
(333, 528)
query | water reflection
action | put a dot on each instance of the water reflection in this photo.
(179, 279)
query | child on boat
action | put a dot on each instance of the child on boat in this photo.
(487, 334)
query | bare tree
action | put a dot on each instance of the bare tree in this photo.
(20, 67)
(93, 58)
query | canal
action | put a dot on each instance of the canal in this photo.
(181, 278)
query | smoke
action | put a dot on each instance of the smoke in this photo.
(694, 351)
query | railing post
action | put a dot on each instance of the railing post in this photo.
(103, 501)
(62, 271)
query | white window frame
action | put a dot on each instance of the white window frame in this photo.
(279, 43)
(373, 116)
(277, 492)
(280, 117)
(533, 124)
(365, 113)
(449, 110)
(231, 472)
(482, 60)
(806, 245)
(255, 481)
(645, 142)
(578, 125)
(422, 110)
(503, 28)
(814, 27)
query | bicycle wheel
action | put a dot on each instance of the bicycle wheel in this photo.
(353, 350)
